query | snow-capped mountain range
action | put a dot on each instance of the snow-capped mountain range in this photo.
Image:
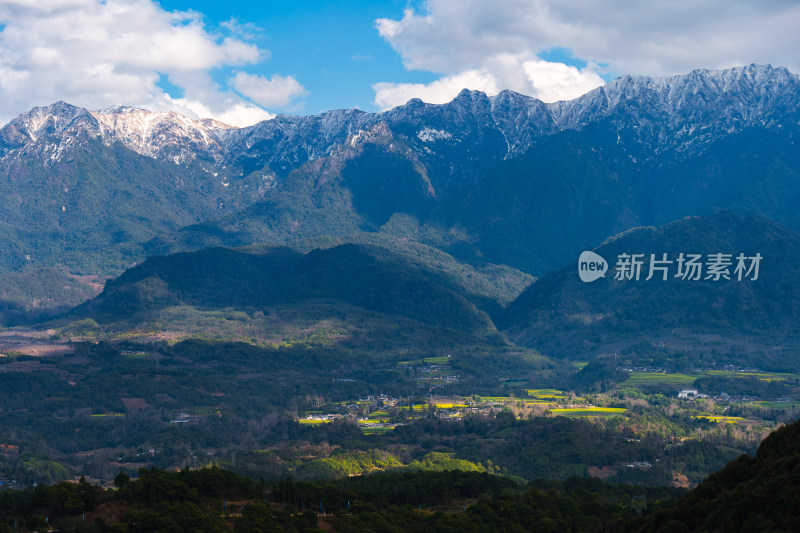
(154, 134)
(675, 113)
(505, 179)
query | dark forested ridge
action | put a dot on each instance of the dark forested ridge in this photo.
(748, 322)
(213, 500)
(363, 276)
(751, 320)
(750, 494)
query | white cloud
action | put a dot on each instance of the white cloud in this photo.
(556, 81)
(96, 54)
(545, 80)
(628, 37)
(246, 30)
(268, 92)
(233, 112)
(388, 95)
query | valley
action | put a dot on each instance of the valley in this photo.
(101, 408)
(323, 307)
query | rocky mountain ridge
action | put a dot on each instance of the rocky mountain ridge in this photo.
(679, 113)
(52, 132)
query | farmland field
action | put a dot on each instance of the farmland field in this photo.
(443, 360)
(312, 421)
(764, 376)
(659, 378)
(546, 393)
(588, 411)
(779, 405)
(447, 405)
(639, 379)
(726, 419)
(372, 430)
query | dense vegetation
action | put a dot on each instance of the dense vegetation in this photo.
(675, 324)
(38, 294)
(213, 500)
(748, 494)
(107, 407)
(362, 276)
(104, 401)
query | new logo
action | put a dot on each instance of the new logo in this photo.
(591, 267)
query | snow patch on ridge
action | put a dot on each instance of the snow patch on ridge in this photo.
(428, 135)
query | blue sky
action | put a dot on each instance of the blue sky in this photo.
(241, 62)
(331, 47)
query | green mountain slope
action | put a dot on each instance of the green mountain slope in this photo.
(365, 277)
(74, 211)
(37, 294)
(532, 212)
(677, 319)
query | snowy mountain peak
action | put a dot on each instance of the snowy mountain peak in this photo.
(211, 124)
(685, 111)
(682, 113)
(53, 119)
(749, 80)
(52, 130)
(153, 133)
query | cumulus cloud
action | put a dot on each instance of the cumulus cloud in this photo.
(95, 54)
(388, 95)
(268, 92)
(545, 80)
(627, 37)
(556, 81)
